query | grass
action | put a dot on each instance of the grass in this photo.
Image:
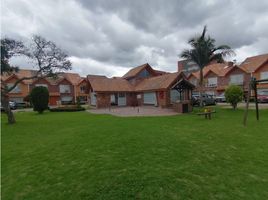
(86, 156)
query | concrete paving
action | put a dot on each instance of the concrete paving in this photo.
(243, 105)
(135, 111)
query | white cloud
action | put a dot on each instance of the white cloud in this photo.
(109, 37)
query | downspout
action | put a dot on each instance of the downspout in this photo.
(74, 94)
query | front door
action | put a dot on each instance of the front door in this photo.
(93, 98)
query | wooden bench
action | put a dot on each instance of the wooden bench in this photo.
(207, 114)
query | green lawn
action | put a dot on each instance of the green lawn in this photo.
(85, 156)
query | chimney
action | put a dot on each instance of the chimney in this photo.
(180, 66)
(230, 63)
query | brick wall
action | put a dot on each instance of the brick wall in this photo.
(163, 98)
(131, 99)
(103, 100)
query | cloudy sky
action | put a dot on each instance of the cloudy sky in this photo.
(111, 36)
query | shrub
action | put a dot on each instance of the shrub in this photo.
(67, 109)
(233, 95)
(39, 97)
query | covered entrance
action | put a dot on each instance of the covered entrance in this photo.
(181, 94)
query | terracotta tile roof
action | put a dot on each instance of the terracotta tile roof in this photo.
(158, 82)
(251, 64)
(134, 71)
(104, 84)
(20, 74)
(160, 72)
(220, 69)
(74, 78)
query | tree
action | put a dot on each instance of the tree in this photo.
(48, 59)
(39, 99)
(203, 51)
(9, 48)
(233, 95)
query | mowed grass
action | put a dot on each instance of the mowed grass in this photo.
(85, 156)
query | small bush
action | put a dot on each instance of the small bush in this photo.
(39, 98)
(67, 109)
(233, 95)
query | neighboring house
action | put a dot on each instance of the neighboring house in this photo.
(258, 67)
(22, 89)
(82, 91)
(218, 76)
(139, 86)
(52, 85)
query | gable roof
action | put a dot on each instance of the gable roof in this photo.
(159, 82)
(220, 69)
(251, 64)
(136, 70)
(20, 74)
(73, 78)
(104, 84)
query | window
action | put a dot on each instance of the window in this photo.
(15, 90)
(174, 96)
(65, 89)
(194, 81)
(212, 82)
(143, 74)
(236, 79)
(262, 91)
(264, 75)
(121, 95)
(43, 85)
(83, 89)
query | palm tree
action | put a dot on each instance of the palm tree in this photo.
(203, 52)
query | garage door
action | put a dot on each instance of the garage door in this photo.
(93, 98)
(16, 99)
(149, 98)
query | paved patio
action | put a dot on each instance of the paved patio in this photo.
(135, 111)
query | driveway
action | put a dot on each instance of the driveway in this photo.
(243, 105)
(135, 111)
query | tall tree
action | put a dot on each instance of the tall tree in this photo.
(9, 48)
(204, 51)
(49, 60)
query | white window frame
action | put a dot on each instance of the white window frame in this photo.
(264, 75)
(212, 82)
(235, 80)
(17, 89)
(65, 88)
(43, 85)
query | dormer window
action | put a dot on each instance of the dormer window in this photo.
(143, 74)
(65, 89)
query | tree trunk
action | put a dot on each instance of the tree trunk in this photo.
(5, 104)
(201, 87)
